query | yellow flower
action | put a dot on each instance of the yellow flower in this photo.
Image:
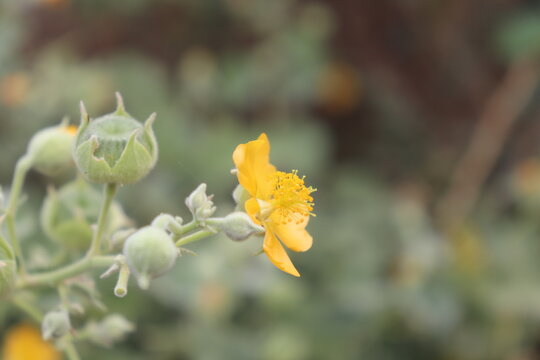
(24, 342)
(280, 202)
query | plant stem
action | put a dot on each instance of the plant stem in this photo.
(70, 350)
(12, 234)
(188, 227)
(51, 278)
(194, 237)
(21, 169)
(108, 194)
(120, 290)
(6, 247)
(63, 295)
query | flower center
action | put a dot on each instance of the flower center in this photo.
(290, 198)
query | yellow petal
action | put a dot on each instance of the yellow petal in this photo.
(252, 209)
(294, 235)
(277, 254)
(244, 178)
(254, 169)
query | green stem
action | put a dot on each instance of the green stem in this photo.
(108, 196)
(194, 237)
(12, 233)
(58, 259)
(63, 295)
(21, 169)
(51, 278)
(188, 227)
(120, 290)
(70, 350)
(6, 247)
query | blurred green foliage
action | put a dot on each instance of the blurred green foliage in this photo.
(381, 282)
(520, 36)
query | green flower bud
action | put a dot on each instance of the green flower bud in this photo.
(115, 148)
(112, 329)
(55, 325)
(7, 269)
(240, 196)
(238, 226)
(168, 222)
(199, 204)
(50, 149)
(68, 214)
(150, 252)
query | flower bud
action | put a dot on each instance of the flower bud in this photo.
(168, 222)
(115, 148)
(240, 196)
(149, 252)
(199, 204)
(7, 270)
(50, 149)
(162, 221)
(68, 214)
(55, 324)
(237, 226)
(112, 329)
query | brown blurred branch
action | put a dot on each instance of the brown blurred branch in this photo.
(501, 112)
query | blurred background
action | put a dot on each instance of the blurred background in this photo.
(417, 121)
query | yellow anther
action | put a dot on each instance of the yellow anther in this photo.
(290, 197)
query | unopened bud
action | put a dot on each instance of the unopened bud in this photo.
(115, 148)
(55, 324)
(240, 196)
(238, 226)
(168, 222)
(199, 204)
(112, 329)
(50, 149)
(149, 252)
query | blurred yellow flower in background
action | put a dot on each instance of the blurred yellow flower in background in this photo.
(280, 202)
(24, 342)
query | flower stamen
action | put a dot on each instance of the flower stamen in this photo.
(290, 197)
